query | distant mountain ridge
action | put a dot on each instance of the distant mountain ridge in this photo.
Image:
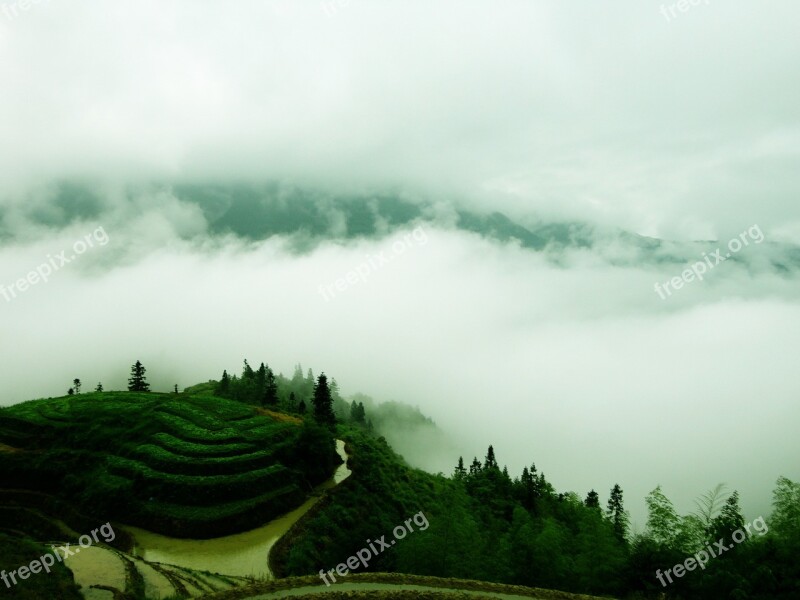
(309, 217)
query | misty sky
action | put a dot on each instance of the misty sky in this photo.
(610, 114)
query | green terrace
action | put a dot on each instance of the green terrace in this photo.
(179, 464)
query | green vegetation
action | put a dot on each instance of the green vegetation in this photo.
(372, 583)
(16, 552)
(262, 387)
(183, 465)
(199, 465)
(137, 382)
(485, 525)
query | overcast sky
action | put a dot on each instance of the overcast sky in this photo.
(682, 127)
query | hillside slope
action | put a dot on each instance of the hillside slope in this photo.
(181, 465)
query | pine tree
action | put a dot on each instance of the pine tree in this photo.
(261, 377)
(592, 500)
(323, 403)
(528, 488)
(616, 512)
(270, 388)
(475, 468)
(460, 472)
(357, 412)
(76, 383)
(224, 387)
(176, 388)
(301, 408)
(137, 381)
(247, 371)
(99, 387)
(490, 462)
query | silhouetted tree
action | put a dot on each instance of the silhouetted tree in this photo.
(70, 392)
(301, 408)
(616, 512)
(592, 500)
(137, 381)
(99, 387)
(527, 482)
(475, 468)
(247, 371)
(270, 388)
(490, 462)
(460, 472)
(323, 402)
(224, 387)
(357, 412)
(76, 384)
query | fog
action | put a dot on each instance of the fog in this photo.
(613, 116)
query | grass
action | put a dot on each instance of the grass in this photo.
(168, 461)
(197, 489)
(191, 450)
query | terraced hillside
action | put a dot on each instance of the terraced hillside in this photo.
(389, 586)
(186, 465)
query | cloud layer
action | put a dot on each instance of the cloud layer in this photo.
(685, 129)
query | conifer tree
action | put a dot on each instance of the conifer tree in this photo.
(592, 500)
(323, 402)
(475, 467)
(357, 412)
(247, 371)
(616, 512)
(490, 462)
(137, 381)
(270, 388)
(224, 387)
(460, 472)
